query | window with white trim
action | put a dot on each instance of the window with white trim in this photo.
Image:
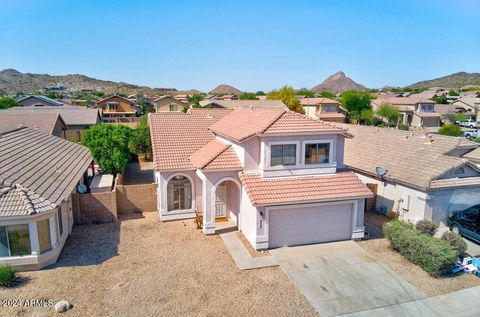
(179, 191)
(283, 154)
(15, 240)
(317, 153)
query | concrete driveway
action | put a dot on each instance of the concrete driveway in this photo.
(341, 277)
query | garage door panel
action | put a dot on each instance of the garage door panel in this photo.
(296, 226)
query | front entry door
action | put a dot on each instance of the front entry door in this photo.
(221, 201)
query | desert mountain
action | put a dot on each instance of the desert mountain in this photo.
(13, 81)
(337, 83)
(456, 80)
(225, 89)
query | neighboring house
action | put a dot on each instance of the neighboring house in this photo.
(427, 176)
(117, 109)
(77, 119)
(323, 108)
(50, 123)
(414, 110)
(235, 104)
(472, 104)
(38, 174)
(278, 175)
(168, 104)
(37, 101)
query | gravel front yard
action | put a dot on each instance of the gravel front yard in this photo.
(147, 268)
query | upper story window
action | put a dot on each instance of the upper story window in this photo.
(329, 108)
(426, 107)
(317, 153)
(173, 107)
(283, 154)
(112, 106)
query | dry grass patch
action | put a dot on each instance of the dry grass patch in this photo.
(141, 267)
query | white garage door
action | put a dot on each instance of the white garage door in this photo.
(295, 226)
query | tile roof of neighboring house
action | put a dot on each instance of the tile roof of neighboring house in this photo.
(169, 97)
(235, 104)
(317, 101)
(44, 122)
(18, 201)
(288, 190)
(455, 182)
(45, 99)
(471, 102)
(244, 123)
(330, 115)
(71, 115)
(427, 114)
(409, 157)
(115, 96)
(40, 163)
(473, 155)
(399, 101)
(176, 136)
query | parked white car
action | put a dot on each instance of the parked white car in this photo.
(470, 123)
(470, 134)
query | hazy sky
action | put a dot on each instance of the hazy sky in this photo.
(251, 45)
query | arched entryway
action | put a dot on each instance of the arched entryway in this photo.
(226, 200)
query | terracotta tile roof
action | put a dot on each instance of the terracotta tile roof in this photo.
(409, 157)
(235, 104)
(287, 190)
(176, 136)
(44, 122)
(244, 123)
(296, 123)
(318, 101)
(47, 167)
(227, 160)
(208, 153)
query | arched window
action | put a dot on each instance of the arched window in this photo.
(179, 192)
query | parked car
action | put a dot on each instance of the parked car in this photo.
(470, 123)
(470, 134)
(466, 222)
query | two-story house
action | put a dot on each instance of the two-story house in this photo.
(169, 104)
(323, 108)
(415, 111)
(278, 175)
(117, 109)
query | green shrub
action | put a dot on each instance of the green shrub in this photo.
(456, 241)
(8, 276)
(427, 226)
(433, 255)
(451, 130)
(403, 126)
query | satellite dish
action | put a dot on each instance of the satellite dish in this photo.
(82, 189)
(380, 171)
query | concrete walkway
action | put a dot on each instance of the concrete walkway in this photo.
(341, 277)
(240, 254)
(461, 303)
